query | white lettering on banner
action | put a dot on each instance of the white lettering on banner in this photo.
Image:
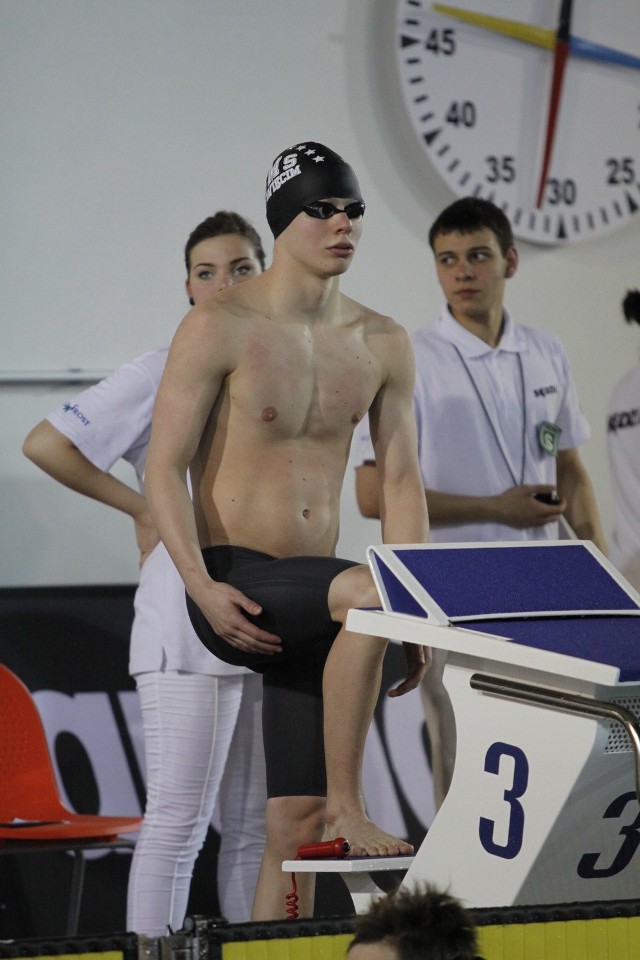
(403, 725)
(89, 717)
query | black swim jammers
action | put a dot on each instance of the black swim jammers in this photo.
(293, 594)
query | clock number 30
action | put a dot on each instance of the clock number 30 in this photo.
(511, 796)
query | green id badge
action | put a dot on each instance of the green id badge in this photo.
(549, 437)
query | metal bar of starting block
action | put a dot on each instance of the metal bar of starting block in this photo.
(567, 703)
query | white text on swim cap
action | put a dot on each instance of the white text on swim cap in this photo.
(282, 178)
(291, 168)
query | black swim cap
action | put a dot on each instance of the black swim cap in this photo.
(303, 174)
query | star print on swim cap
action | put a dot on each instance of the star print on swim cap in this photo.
(303, 174)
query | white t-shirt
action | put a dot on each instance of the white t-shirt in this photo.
(110, 421)
(623, 445)
(468, 401)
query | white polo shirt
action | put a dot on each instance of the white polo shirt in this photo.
(623, 445)
(109, 421)
(469, 400)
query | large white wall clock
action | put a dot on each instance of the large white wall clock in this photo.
(534, 104)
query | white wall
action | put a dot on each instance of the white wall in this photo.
(125, 122)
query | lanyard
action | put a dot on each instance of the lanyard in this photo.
(494, 427)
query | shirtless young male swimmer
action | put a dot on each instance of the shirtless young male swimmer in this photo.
(263, 387)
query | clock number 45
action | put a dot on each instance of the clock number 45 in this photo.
(441, 42)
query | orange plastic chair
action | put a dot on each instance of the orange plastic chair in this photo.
(32, 815)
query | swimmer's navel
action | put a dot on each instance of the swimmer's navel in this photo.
(306, 512)
(269, 413)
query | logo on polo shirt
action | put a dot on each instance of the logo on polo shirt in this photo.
(627, 418)
(545, 391)
(75, 410)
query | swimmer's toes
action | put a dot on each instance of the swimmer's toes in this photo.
(391, 849)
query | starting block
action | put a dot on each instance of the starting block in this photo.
(543, 671)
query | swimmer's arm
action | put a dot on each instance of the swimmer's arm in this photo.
(403, 508)
(59, 457)
(367, 490)
(402, 504)
(200, 357)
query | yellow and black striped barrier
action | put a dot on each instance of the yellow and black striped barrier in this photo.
(587, 931)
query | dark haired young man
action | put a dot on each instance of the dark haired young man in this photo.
(499, 423)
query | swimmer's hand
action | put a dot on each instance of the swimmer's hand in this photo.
(223, 606)
(418, 662)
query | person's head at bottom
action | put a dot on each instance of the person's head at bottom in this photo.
(419, 924)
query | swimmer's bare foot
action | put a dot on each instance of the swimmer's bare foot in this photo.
(366, 839)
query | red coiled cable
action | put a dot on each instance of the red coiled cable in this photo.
(337, 848)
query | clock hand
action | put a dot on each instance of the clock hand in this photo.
(596, 51)
(526, 32)
(540, 37)
(560, 57)
(559, 42)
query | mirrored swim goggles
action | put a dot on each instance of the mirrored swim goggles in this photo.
(323, 210)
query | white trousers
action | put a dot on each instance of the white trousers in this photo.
(203, 747)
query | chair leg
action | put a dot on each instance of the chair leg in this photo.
(75, 895)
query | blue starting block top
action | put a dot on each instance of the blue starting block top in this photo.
(611, 640)
(560, 596)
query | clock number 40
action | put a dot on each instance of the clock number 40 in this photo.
(461, 113)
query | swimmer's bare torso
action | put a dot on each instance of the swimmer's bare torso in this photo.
(269, 468)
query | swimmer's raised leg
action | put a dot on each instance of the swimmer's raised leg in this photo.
(351, 685)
